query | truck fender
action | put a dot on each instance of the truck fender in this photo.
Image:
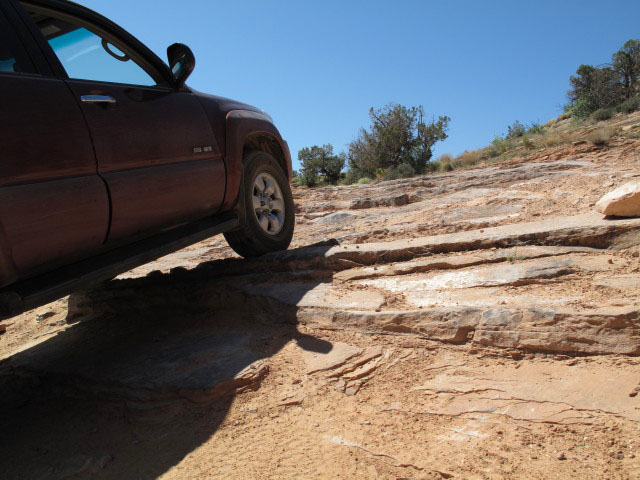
(240, 126)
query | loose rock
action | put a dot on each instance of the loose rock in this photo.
(624, 201)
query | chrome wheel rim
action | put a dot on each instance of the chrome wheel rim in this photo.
(268, 204)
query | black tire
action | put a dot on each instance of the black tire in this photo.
(252, 239)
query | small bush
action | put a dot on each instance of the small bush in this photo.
(516, 129)
(353, 175)
(500, 144)
(446, 167)
(364, 181)
(406, 170)
(493, 152)
(526, 141)
(535, 129)
(601, 136)
(630, 105)
(433, 166)
(582, 107)
(603, 114)
(308, 178)
(403, 170)
(437, 165)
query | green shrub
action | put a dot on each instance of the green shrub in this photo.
(516, 129)
(582, 107)
(320, 164)
(630, 105)
(535, 129)
(353, 175)
(364, 181)
(308, 178)
(404, 170)
(396, 135)
(527, 143)
(500, 144)
(603, 114)
(493, 152)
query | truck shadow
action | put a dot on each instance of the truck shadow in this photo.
(146, 374)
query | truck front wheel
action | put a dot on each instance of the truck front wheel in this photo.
(269, 215)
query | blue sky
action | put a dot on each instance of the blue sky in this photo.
(317, 67)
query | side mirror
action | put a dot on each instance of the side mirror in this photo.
(181, 62)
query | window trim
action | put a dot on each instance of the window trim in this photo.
(106, 29)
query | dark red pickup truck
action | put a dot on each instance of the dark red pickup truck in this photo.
(108, 160)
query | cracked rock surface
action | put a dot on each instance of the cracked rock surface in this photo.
(479, 324)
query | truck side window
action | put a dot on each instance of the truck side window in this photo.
(87, 55)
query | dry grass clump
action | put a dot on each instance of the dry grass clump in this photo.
(601, 136)
(558, 131)
(444, 163)
(447, 163)
(527, 142)
(553, 140)
(444, 158)
(469, 159)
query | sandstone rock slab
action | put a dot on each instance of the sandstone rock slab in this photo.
(486, 297)
(586, 230)
(200, 365)
(501, 274)
(334, 358)
(561, 329)
(459, 261)
(362, 203)
(536, 392)
(319, 295)
(336, 217)
(395, 200)
(630, 281)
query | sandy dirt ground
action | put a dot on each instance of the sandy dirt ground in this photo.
(477, 324)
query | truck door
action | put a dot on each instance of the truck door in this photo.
(53, 205)
(154, 145)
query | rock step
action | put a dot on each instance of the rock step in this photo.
(586, 230)
(537, 323)
(599, 331)
(459, 261)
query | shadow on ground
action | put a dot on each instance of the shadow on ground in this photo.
(145, 375)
